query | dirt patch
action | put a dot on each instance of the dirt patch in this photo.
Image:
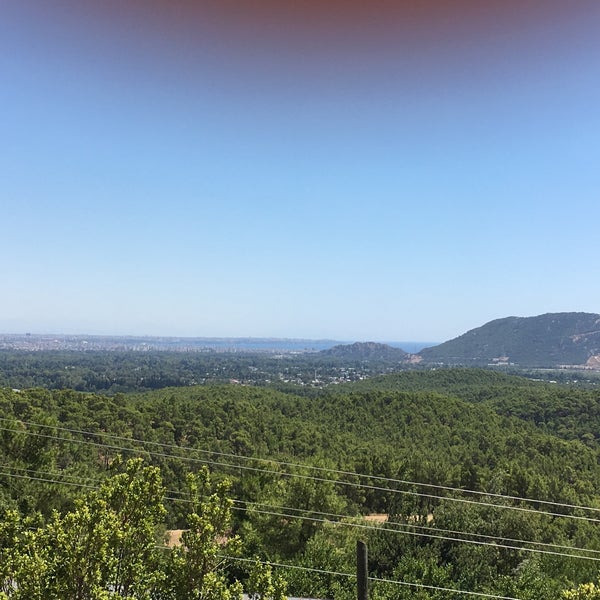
(376, 518)
(173, 537)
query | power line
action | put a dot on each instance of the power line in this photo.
(359, 525)
(229, 465)
(46, 480)
(373, 579)
(432, 536)
(397, 528)
(314, 570)
(320, 469)
(279, 473)
(338, 518)
(441, 589)
(53, 473)
(297, 475)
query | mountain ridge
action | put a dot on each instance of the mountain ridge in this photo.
(547, 340)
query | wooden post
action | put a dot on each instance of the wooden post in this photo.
(362, 573)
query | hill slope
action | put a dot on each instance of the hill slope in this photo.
(366, 351)
(547, 340)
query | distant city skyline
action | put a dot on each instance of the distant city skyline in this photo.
(84, 342)
(335, 170)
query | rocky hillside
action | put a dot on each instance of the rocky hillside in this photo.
(548, 340)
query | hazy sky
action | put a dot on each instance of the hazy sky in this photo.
(352, 170)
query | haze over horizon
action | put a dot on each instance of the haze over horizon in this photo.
(342, 170)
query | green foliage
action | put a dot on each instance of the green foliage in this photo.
(191, 568)
(113, 372)
(470, 429)
(585, 591)
(106, 547)
(105, 544)
(23, 559)
(272, 528)
(332, 549)
(263, 585)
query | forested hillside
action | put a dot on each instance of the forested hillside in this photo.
(111, 372)
(558, 409)
(367, 351)
(546, 340)
(478, 477)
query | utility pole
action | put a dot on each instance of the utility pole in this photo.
(362, 573)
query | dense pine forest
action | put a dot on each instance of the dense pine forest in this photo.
(459, 480)
(110, 372)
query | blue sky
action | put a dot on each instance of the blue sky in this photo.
(212, 176)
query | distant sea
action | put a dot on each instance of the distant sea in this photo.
(42, 342)
(412, 347)
(298, 345)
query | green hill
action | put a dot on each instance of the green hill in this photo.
(548, 340)
(564, 411)
(365, 351)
